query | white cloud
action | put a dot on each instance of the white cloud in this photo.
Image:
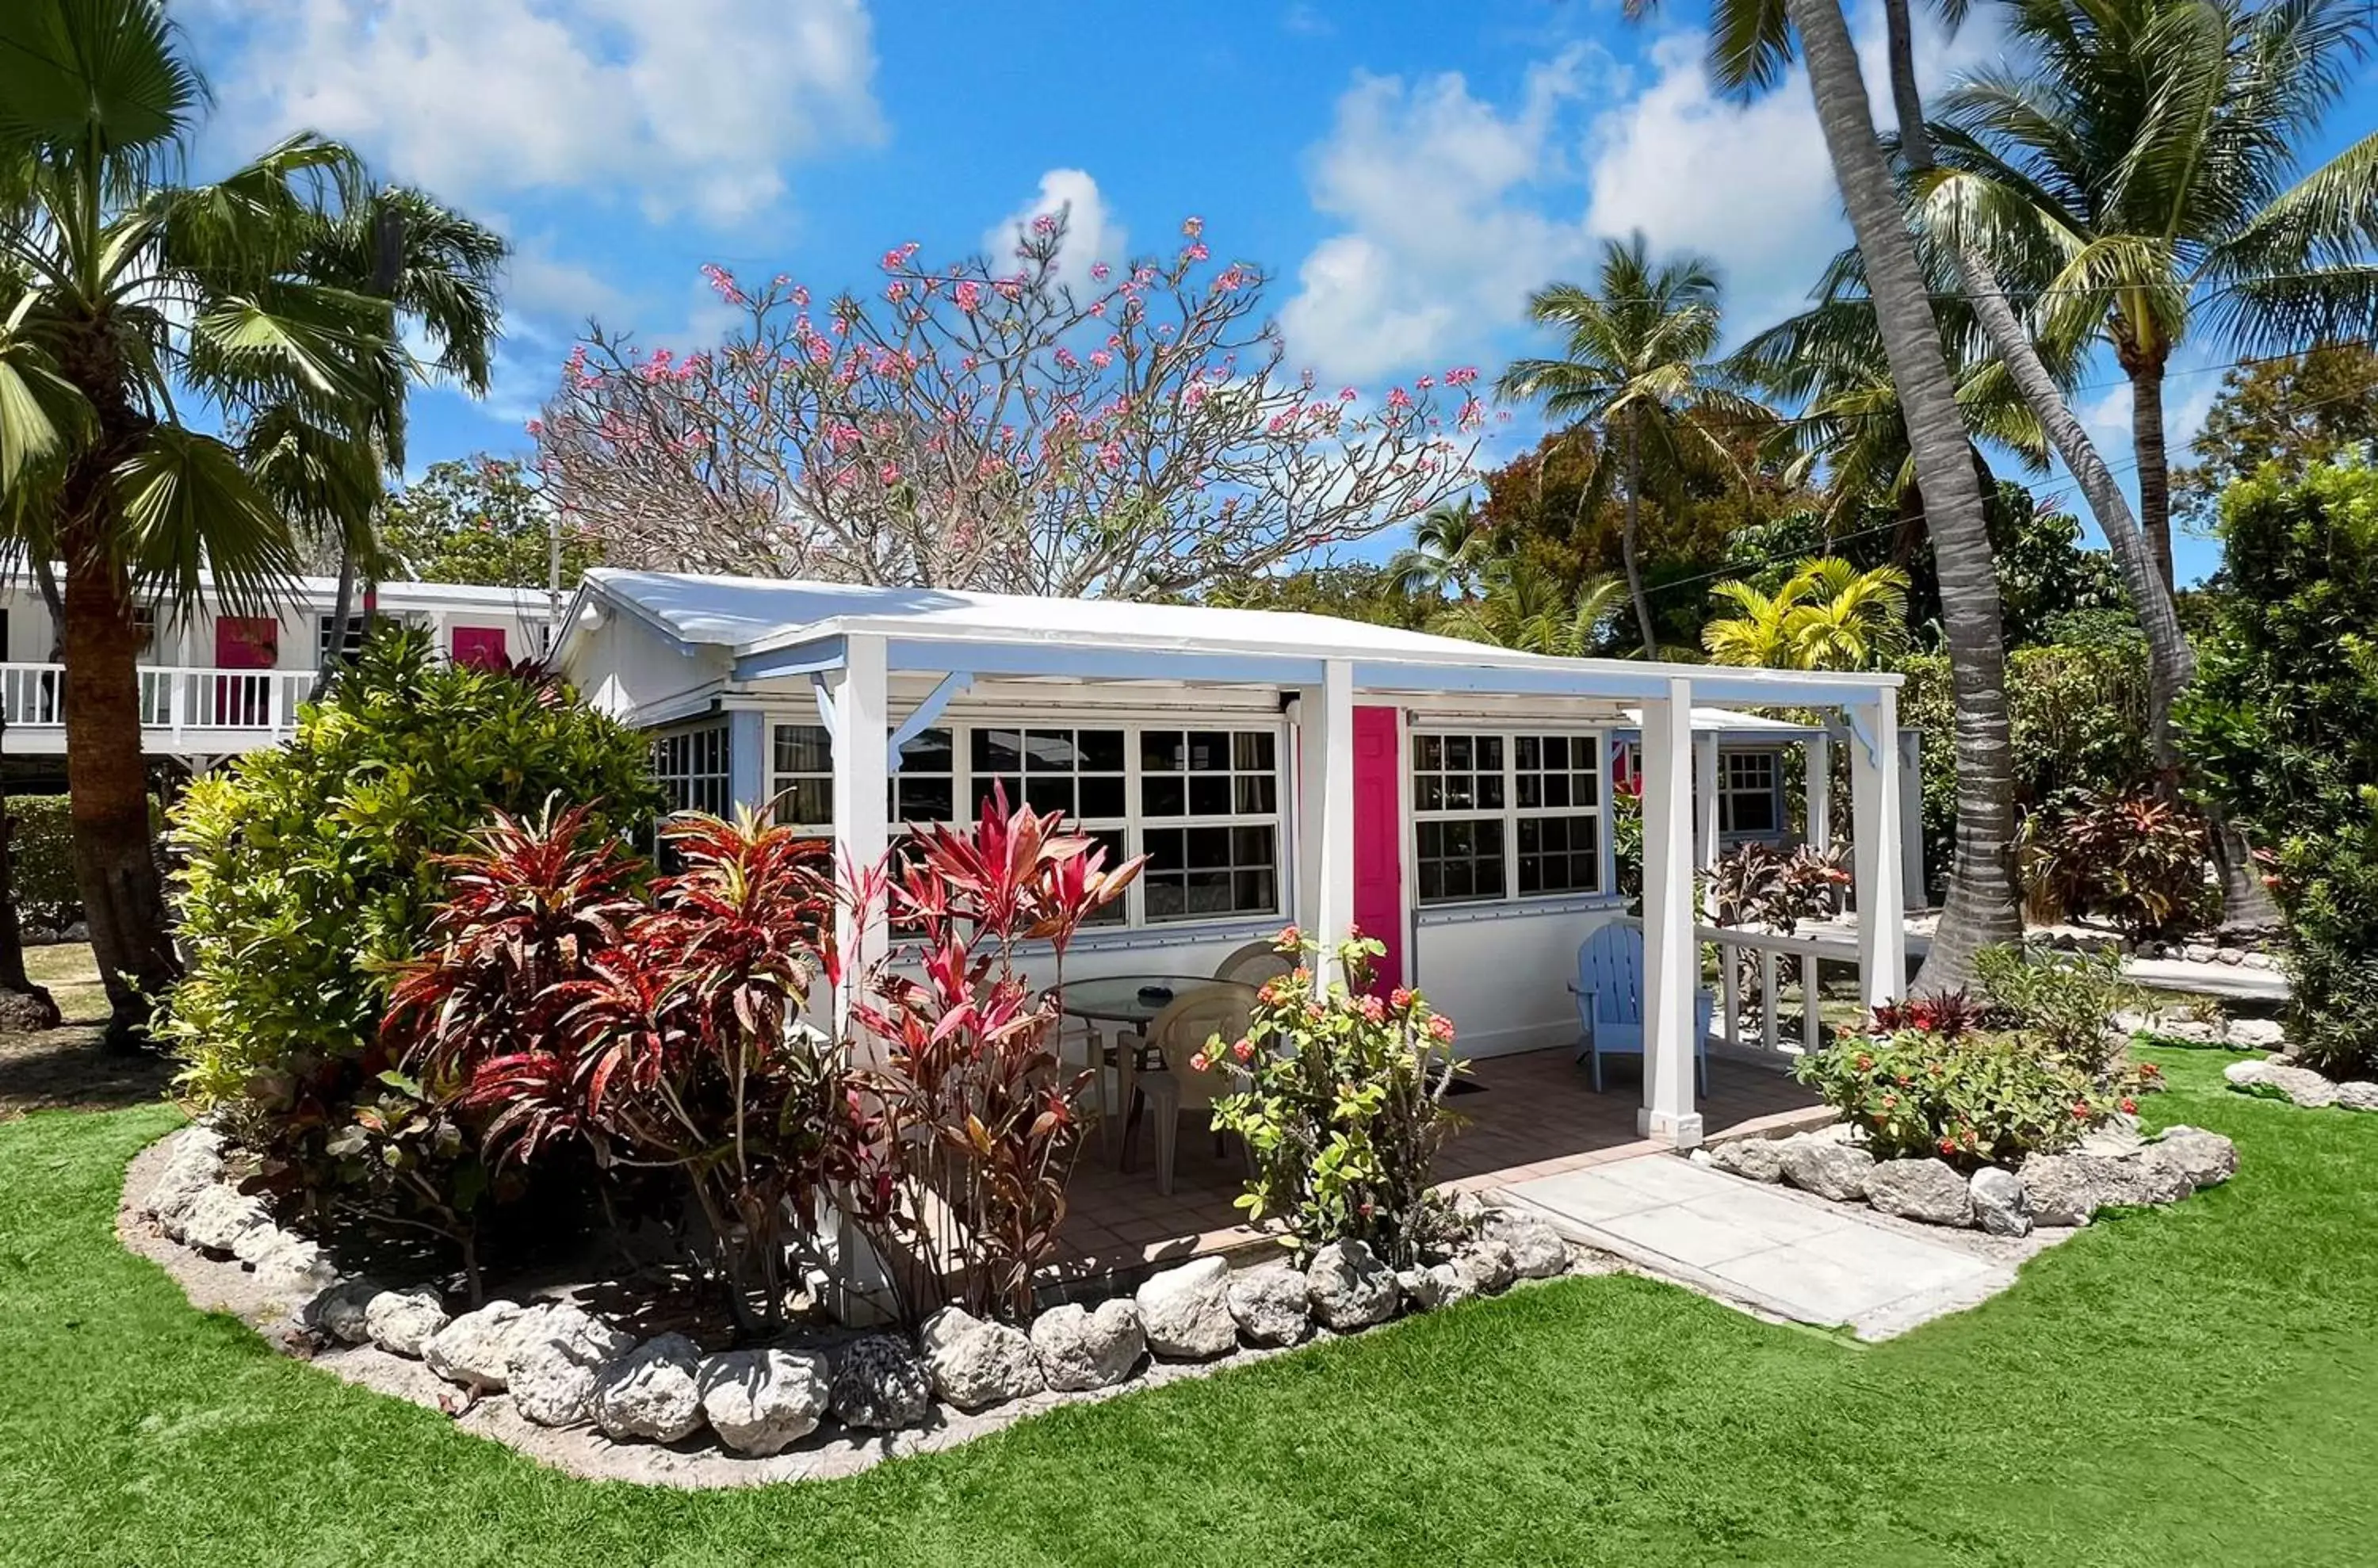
(1445, 236)
(684, 105)
(1454, 207)
(1091, 233)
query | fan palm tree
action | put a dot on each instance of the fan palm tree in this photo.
(2136, 162)
(1525, 605)
(1829, 615)
(1450, 543)
(1638, 366)
(128, 301)
(1750, 44)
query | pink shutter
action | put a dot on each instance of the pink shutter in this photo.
(480, 647)
(1379, 836)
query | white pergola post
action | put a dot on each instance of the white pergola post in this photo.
(1911, 818)
(1325, 810)
(1819, 782)
(861, 722)
(1875, 846)
(1671, 957)
(1705, 804)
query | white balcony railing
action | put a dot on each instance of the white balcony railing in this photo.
(174, 702)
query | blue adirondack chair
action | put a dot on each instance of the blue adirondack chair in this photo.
(1609, 992)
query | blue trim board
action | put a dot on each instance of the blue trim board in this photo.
(799, 659)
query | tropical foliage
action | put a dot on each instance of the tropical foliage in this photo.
(478, 521)
(189, 376)
(313, 870)
(1637, 366)
(2284, 726)
(1827, 615)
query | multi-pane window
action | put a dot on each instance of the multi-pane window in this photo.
(926, 788)
(1748, 798)
(1505, 815)
(800, 777)
(689, 766)
(1210, 800)
(1078, 772)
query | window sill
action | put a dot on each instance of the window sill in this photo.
(1168, 933)
(1517, 908)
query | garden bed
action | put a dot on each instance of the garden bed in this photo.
(669, 1406)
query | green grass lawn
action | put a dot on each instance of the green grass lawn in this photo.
(2196, 1385)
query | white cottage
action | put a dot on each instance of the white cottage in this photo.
(1450, 798)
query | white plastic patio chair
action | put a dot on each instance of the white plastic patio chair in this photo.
(1255, 963)
(1179, 1032)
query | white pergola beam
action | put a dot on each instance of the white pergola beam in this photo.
(860, 722)
(1671, 956)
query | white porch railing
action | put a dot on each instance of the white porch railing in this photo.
(1739, 946)
(176, 702)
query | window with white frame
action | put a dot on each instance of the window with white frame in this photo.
(1749, 800)
(1504, 814)
(1203, 804)
(691, 766)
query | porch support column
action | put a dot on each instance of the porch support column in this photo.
(862, 761)
(1819, 782)
(1705, 802)
(1325, 810)
(1911, 818)
(1671, 957)
(747, 758)
(1875, 846)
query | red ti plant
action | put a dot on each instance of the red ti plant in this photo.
(664, 1034)
(962, 1124)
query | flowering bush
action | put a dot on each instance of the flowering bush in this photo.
(1948, 1015)
(1971, 1099)
(1341, 1104)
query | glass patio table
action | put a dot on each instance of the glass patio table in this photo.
(1132, 1001)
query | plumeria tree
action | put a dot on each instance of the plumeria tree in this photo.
(1033, 425)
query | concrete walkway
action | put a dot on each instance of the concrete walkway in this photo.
(1778, 1253)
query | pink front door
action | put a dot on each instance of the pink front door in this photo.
(244, 642)
(1379, 836)
(479, 648)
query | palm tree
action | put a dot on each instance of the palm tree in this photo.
(1636, 364)
(1450, 542)
(1829, 615)
(1750, 44)
(1524, 605)
(2137, 164)
(127, 300)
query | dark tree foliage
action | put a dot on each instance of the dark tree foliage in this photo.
(478, 520)
(2282, 728)
(2296, 411)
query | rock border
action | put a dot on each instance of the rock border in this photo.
(548, 1379)
(2114, 1166)
(2279, 1077)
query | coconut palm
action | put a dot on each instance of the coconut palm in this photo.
(1524, 605)
(128, 302)
(1829, 615)
(2136, 163)
(1450, 543)
(1750, 44)
(1638, 366)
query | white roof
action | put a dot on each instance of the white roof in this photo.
(1743, 726)
(752, 614)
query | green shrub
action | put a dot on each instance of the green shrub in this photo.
(1970, 1099)
(2135, 859)
(2076, 721)
(1343, 1106)
(41, 866)
(2282, 725)
(311, 873)
(2064, 1003)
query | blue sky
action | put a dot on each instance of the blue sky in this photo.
(1406, 171)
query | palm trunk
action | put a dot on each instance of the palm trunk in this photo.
(2171, 663)
(2154, 474)
(107, 781)
(1983, 906)
(343, 607)
(1629, 540)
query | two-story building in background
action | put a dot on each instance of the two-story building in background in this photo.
(214, 684)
